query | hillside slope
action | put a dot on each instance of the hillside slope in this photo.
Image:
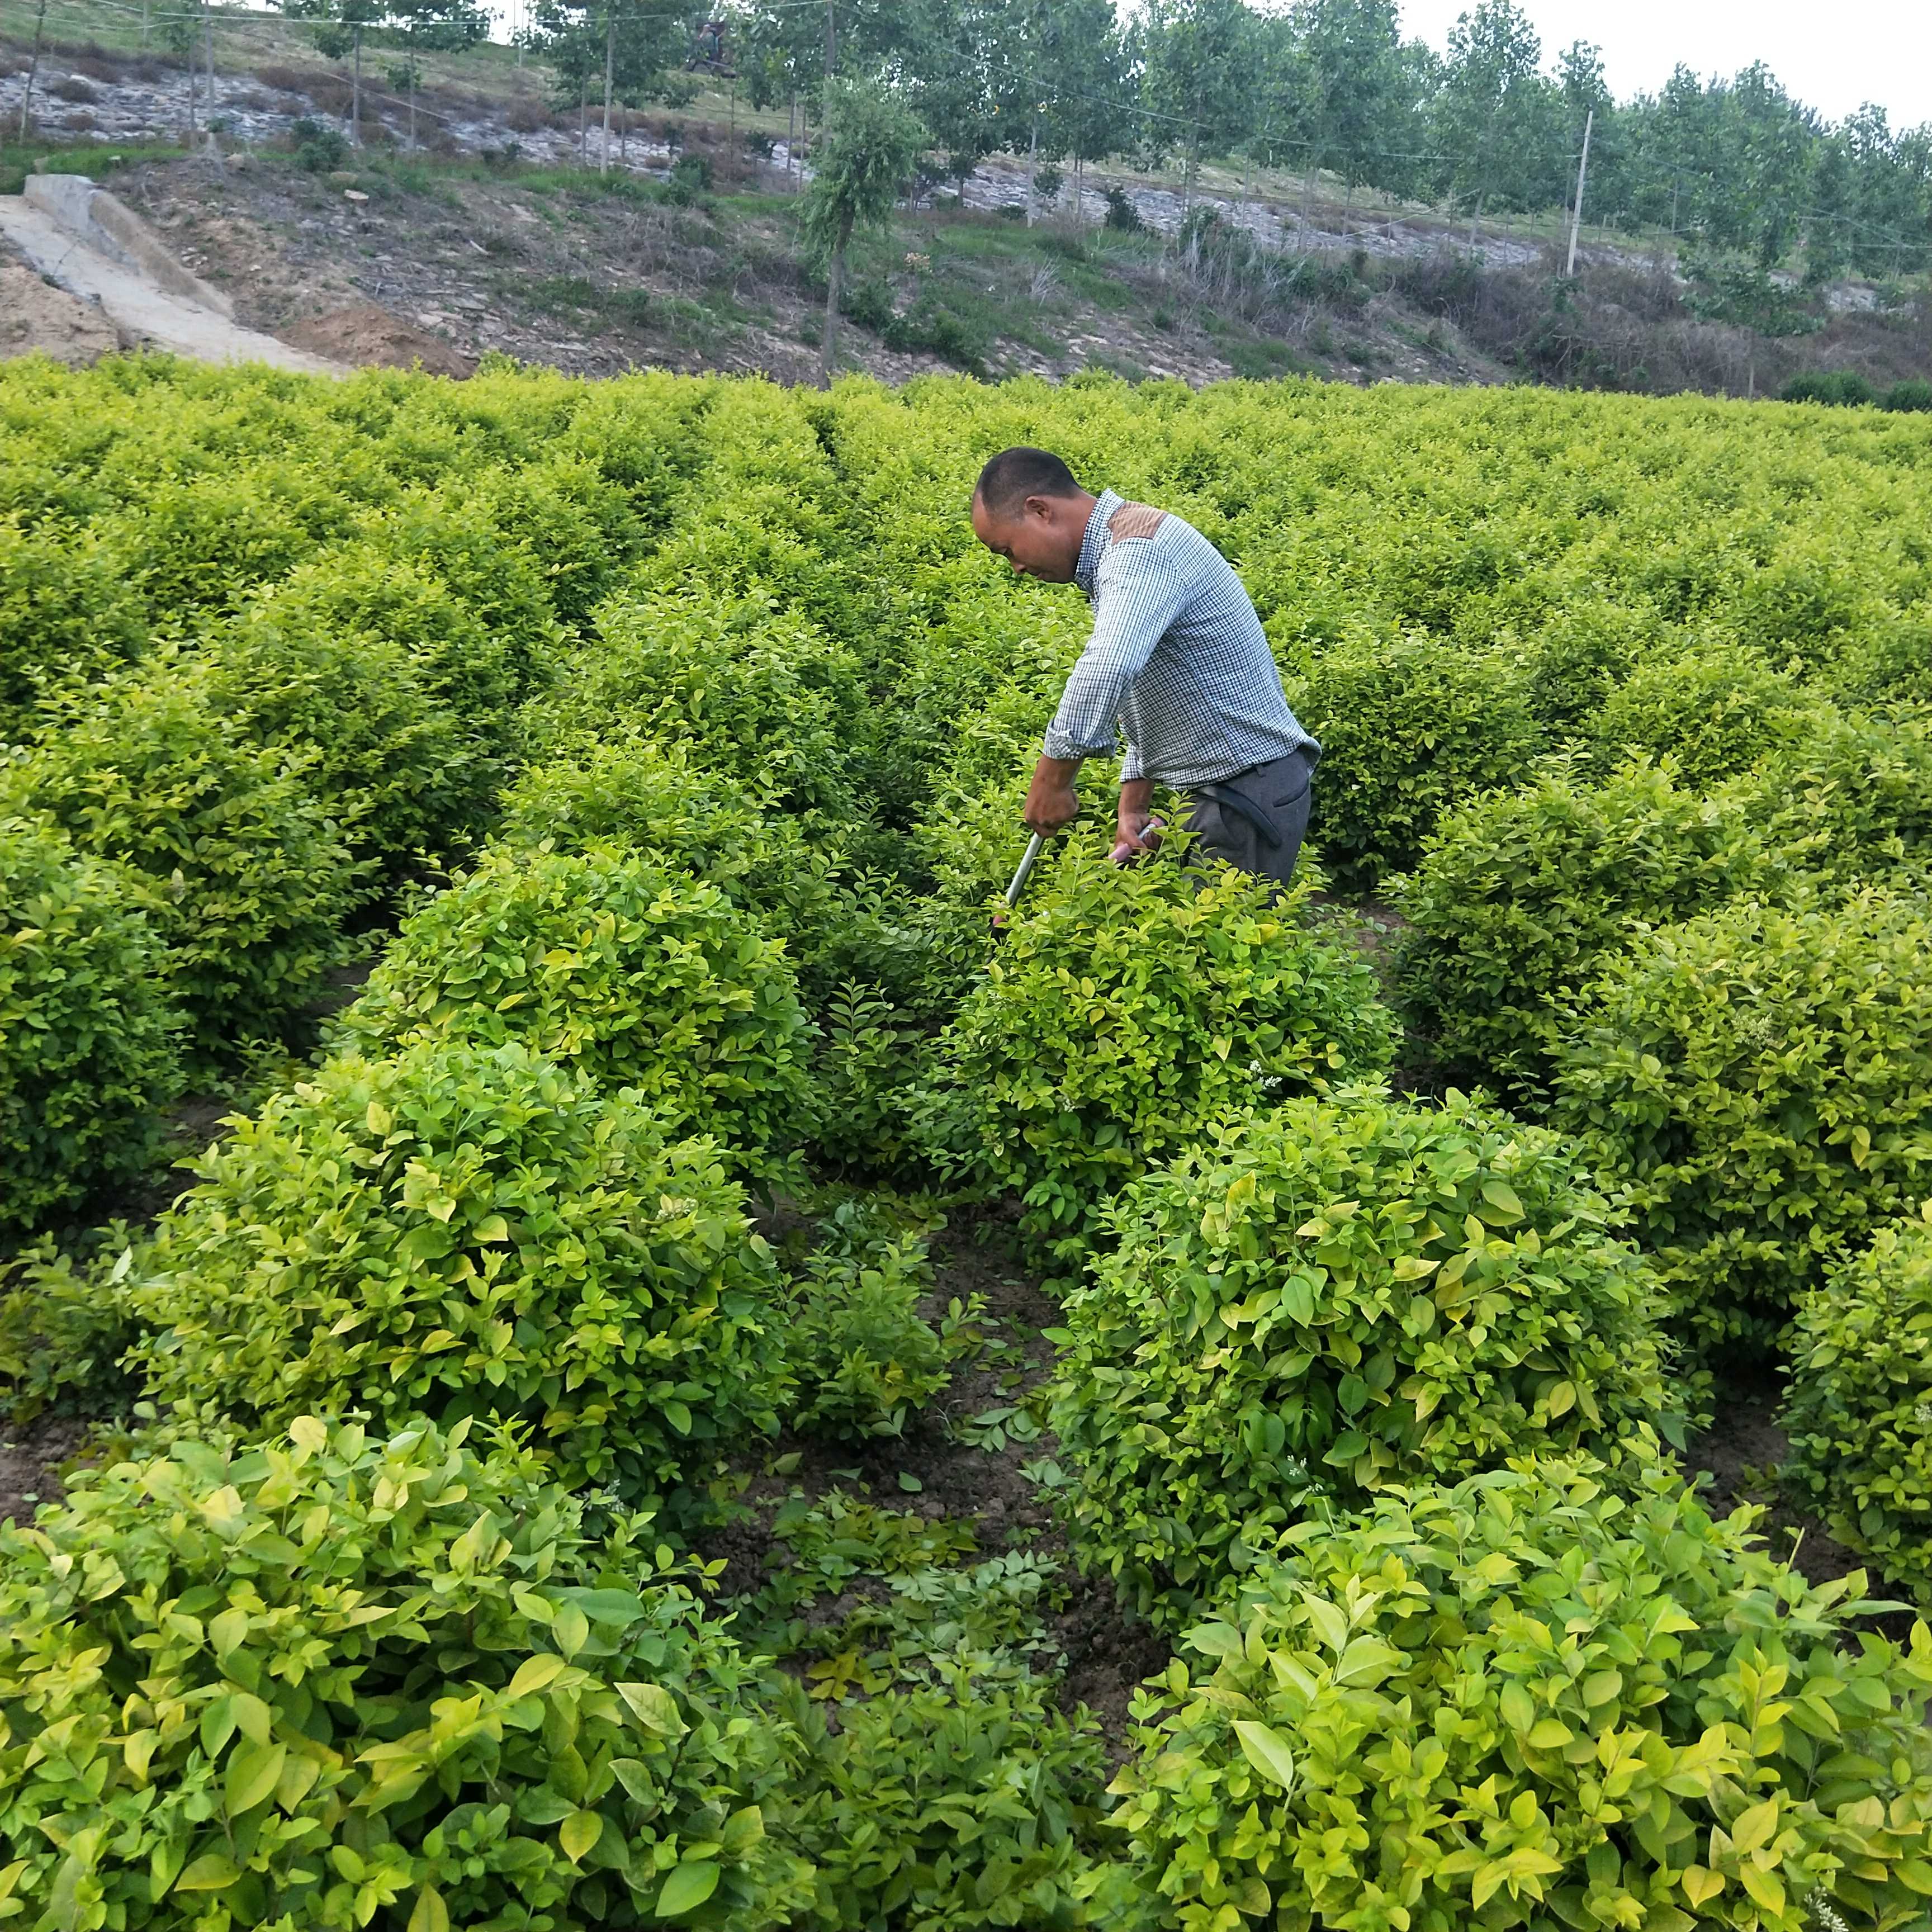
(493, 235)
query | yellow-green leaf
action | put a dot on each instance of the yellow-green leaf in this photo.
(213, 1871)
(254, 1772)
(535, 1674)
(1767, 1887)
(654, 1707)
(431, 1914)
(1755, 1825)
(578, 1833)
(571, 1629)
(686, 1889)
(1267, 1750)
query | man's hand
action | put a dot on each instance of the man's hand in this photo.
(1136, 830)
(1134, 838)
(1051, 803)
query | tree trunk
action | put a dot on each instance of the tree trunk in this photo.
(1476, 220)
(835, 281)
(1314, 166)
(1032, 168)
(355, 96)
(791, 136)
(412, 103)
(208, 52)
(610, 80)
(583, 123)
(194, 95)
(34, 68)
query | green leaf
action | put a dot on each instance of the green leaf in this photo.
(579, 1833)
(254, 1772)
(1502, 1200)
(430, 1914)
(1267, 1750)
(687, 1888)
(213, 1871)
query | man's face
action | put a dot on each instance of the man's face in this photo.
(1042, 541)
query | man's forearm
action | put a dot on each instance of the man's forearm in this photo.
(1136, 801)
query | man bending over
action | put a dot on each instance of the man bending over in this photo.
(1178, 663)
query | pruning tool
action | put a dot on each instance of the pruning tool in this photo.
(1035, 846)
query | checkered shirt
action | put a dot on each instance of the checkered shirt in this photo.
(1178, 659)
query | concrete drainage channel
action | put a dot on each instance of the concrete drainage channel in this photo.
(92, 244)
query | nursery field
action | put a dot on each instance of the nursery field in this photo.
(692, 1387)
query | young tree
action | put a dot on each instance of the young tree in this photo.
(34, 68)
(1199, 76)
(1744, 294)
(615, 48)
(1085, 77)
(1732, 161)
(962, 64)
(1870, 203)
(430, 26)
(1587, 100)
(782, 45)
(871, 143)
(338, 29)
(1497, 118)
(1339, 94)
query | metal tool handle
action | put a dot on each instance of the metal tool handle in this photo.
(1035, 845)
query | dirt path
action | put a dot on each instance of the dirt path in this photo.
(136, 309)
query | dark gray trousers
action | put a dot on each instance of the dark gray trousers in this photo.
(1256, 820)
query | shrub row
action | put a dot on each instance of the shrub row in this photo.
(513, 1196)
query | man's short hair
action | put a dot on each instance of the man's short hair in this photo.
(1016, 474)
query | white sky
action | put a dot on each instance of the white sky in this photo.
(1833, 55)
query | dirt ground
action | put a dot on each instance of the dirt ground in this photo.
(1741, 1454)
(1107, 1651)
(451, 270)
(367, 336)
(31, 1459)
(35, 317)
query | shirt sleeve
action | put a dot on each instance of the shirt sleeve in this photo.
(1140, 593)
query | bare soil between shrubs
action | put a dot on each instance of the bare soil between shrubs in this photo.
(1107, 1651)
